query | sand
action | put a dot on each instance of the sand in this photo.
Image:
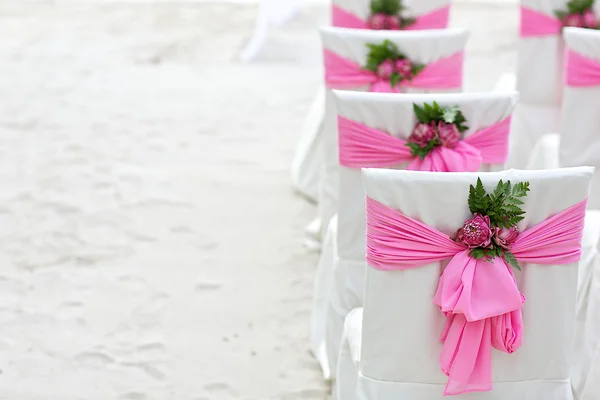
(151, 244)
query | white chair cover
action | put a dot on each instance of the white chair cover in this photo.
(580, 140)
(539, 82)
(420, 46)
(392, 113)
(305, 166)
(399, 335)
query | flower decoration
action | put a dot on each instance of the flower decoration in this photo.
(389, 63)
(437, 126)
(386, 14)
(492, 230)
(579, 13)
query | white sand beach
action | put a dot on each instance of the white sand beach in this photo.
(151, 243)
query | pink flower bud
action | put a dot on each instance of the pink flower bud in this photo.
(385, 69)
(423, 134)
(504, 237)
(449, 134)
(393, 22)
(574, 20)
(403, 67)
(589, 20)
(476, 232)
(377, 21)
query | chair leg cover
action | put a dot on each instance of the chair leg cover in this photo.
(323, 284)
(349, 357)
(545, 152)
(346, 295)
(306, 164)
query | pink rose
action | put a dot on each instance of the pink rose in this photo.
(574, 20)
(476, 232)
(404, 68)
(504, 237)
(385, 69)
(423, 134)
(589, 19)
(449, 134)
(377, 21)
(392, 22)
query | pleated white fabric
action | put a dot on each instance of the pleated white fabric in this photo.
(346, 268)
(398, 355)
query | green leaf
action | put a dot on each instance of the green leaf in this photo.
(421, 114)
(395, 79)
(561, 15)
(478, 253)
(511, 260)
(416, 69)
(406, 22)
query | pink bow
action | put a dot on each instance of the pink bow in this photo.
(581, 71)
(341, 73)
(535, 23)
(436, 19)
(361, 146)
(480, 299)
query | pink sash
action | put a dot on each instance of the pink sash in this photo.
(436, 19)
(481, 300)
(581, 71)
(535, 23)
(361, 146)
(341, 73)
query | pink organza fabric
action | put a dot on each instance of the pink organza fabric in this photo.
(480, 299)
(535, 23)
(437, 19)
(361, 146)
(341, 73)
(581, 71)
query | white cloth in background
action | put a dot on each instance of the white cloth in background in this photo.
(580, 131)
(394, 114)
(400, 328)
(419, 46)
(539, 83)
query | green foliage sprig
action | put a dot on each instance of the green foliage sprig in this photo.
(434, 112)
(502, 207)
(387, 50)
(387, 7)
(574, 7)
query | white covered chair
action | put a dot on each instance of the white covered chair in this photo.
(539, 78)
(340, 276)
(423, 47)
(305, 166)
(391, 347)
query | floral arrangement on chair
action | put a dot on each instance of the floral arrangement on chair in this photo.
(493, 229)
(388, 63)
(437, 126)
(386, 14)
(579, 13)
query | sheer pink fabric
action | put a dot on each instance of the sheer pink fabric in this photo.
(581, 71)
(535, 23)
(361, 146)
(480, 299)
(436, 19)
(341, 73)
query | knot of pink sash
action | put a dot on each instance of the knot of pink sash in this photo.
(341, 73)
(535, 23)
(480, 299)
(436, 19)
(581, 71)
(361, 146)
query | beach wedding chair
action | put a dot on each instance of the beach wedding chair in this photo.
(465, 295)
(375, 131)
(360, 14)
(358, 59)
(540, 73)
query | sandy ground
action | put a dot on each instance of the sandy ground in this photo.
(150, 241)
